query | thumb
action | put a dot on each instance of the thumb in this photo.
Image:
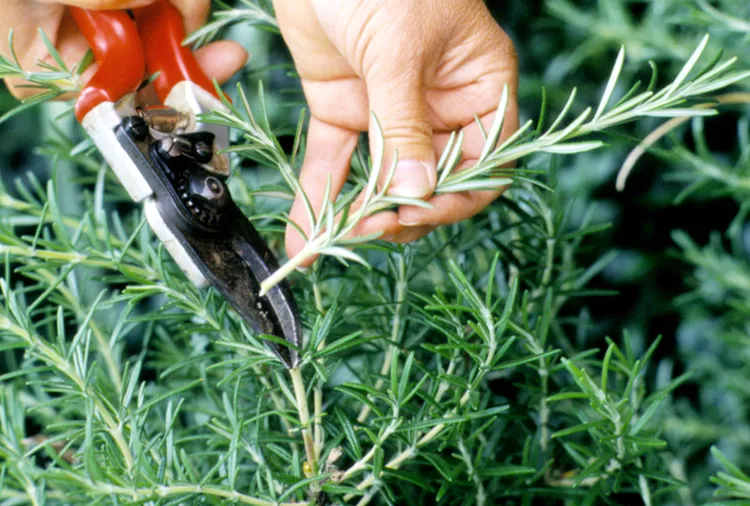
(399, 101)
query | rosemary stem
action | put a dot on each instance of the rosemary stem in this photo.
(396, 462)
(285, 270)
(303, 410)
(401, 287)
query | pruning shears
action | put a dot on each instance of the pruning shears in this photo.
(170, 161)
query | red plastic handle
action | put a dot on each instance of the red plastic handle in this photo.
(162, 33)
(117, 48)
(125, 51)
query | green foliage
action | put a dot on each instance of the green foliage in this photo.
(463, 369)
(54, 80)
(249, 12)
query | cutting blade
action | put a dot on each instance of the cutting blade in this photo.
(193, 212)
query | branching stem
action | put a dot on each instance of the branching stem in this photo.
(114, 428)
(402, 286)
(481, 498)
(396, 462)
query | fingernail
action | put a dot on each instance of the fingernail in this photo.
(413, 179)
(407, 223)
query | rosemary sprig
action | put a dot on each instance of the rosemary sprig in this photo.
(54, 80)
(685, 96)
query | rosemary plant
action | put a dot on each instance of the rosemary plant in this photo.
(462, 369)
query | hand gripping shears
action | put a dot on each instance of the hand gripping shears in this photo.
(170, 161)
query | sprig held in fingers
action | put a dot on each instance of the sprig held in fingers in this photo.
(490, 172)
(327, 237)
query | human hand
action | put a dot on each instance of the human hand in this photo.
(425, 69)
(219, 60)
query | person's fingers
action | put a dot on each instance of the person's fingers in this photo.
(194, 12)
(328, 155)
(325, 101)
(68, 40)
(222, 59)
(448, 209)
(398, 98)
(102, 4)
(410, 234)
(384, 223)
(474, 142)
(219, 60)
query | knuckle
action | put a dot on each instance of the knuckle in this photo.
(360, 43)
(498, 43)
(403, 112)
(408, 132)
(504, 41)
(509, 54)
(363, 26)
(393, 48)
(503, 70)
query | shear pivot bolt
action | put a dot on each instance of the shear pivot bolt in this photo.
(202, 152)
(136, 128)
(214, 186)
(208, 188)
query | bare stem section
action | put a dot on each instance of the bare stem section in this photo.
(303, 410)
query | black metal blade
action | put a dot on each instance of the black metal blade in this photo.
(198, 209)
(236, 266)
